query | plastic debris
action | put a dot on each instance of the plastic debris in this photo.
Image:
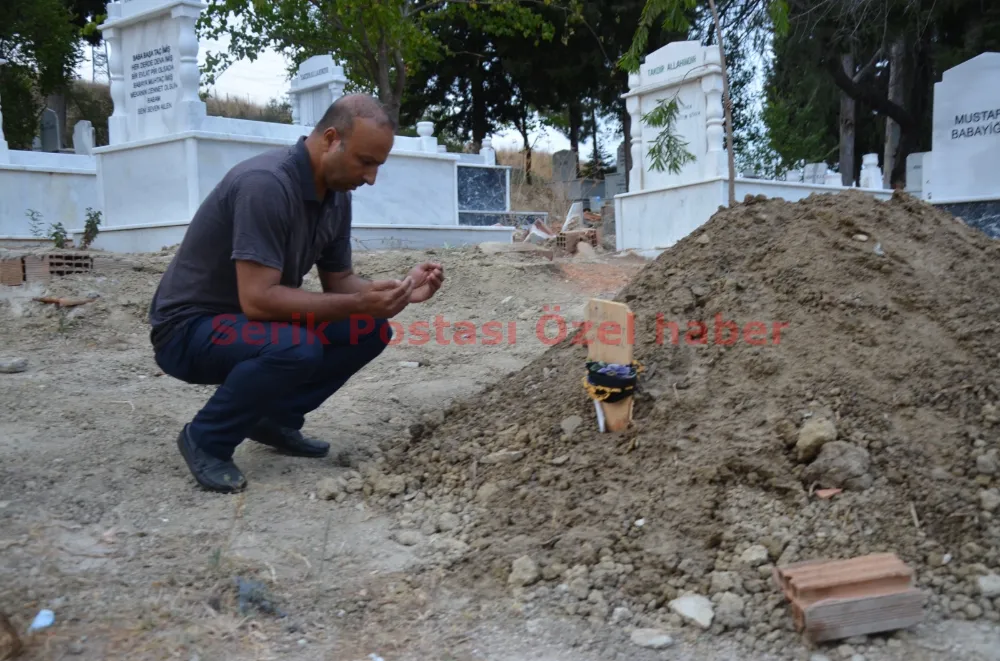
(878, 250)
(43, 620)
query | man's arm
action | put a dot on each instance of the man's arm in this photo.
(264, 299)
(259, 238)
(343, 282)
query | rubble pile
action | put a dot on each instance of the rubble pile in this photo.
(839, 399)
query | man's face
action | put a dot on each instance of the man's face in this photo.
(351, 163)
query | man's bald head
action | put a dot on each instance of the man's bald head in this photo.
(343, 112)
(350, 142)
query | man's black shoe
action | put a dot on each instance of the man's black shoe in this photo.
(211, 473)
(288, 441)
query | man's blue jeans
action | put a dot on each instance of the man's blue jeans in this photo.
(274, 370)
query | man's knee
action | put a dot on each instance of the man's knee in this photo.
(299, 350)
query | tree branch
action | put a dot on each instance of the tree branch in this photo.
(869, 95)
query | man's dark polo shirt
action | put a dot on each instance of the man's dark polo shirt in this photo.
(265, 210)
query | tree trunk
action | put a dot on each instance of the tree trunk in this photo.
(727, 104)
(575, 125)
(522, 128)
(597, 151)
(479, 124)
(848, 109)
(897, 78)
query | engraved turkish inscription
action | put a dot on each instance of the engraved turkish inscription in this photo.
(152, 75)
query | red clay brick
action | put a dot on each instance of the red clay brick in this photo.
(871, 593)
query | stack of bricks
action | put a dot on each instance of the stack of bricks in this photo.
(18, 270)
(843, 598)
(567, 241)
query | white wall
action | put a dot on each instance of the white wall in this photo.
(411, 189)
(58, 194)
(651, 221)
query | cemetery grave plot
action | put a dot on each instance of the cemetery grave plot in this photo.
(472, 509)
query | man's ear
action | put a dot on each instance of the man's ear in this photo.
(333, 139)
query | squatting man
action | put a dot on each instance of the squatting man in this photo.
(241, 265)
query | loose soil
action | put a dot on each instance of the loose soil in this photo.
(400, 545)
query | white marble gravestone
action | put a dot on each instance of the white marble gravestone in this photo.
(691, 74)
(318, 82)
(4, 149)
(154, 68)
(965, 159)
(83, 137)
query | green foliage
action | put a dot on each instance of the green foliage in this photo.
(676, 18)
(35, 223)
(668, 151)
(379, 43)
(41, 44)
(90, 227)
(58, 235)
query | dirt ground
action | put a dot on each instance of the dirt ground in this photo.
(101, 522)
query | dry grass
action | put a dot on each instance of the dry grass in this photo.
(541, 162)
(536, 196)
(235, 107)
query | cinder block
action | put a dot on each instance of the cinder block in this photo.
(12, 271)
(844, 598)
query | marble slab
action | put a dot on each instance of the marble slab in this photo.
(984, 216)
(482, 188)
(966, 131)
(511, 218)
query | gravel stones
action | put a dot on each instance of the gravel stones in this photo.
(841, 465)
(13, 365)
(989, 586)
(814, 434)
(651, 638)
(523, 572)
(694, 608)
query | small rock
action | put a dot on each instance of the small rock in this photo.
(487, 491)
(694, 608)
(502, 457)
(989, 463)
(973, 611)
(989, 586)
(860, 237)
(814, 434)
(13, 365)
(570, 424)
(579, 587)
(845, 651)
(841, 465)
(729, 611)
(620, 615)
(651, 638)
(408, 537)
(553, 571)
(328, 488)
(989, 499)
(755, 556)
(409, 363)
(391, 485)
(560, 460)
(857, 657)
(724, 581)
(75, 649)
(523, 572)
(449, 521)
(819, 657)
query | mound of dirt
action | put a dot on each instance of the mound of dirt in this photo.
(864, 359)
